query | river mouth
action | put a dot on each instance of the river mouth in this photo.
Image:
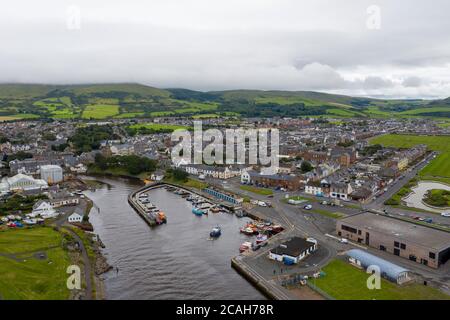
(415, 199)
(176, 260)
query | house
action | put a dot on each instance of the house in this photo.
(340, 190)
(293, 250)
(62, 198)
(75, 218)
(44, 209)
(157, 175)
(289, 182)
(314, 188)
(122, 149)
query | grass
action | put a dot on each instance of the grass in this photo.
(30, 278)
(129, 115)
(345, 282)
(158, 126)
(260, 191)
(439, 168)
(100, 111)
(189, 183)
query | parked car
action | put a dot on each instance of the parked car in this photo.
(307, 207)
(445, 214)
(343, 240)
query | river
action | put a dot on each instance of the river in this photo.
(172, 261)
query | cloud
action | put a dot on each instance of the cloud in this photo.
(412, 82)
(256, 44)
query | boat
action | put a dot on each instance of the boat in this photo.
(245, 246)
(197, 211)
(215, 232)
(160, 218)
(248, 231)
(215, 209)
(261, 238)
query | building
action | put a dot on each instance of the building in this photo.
(51, 173)
(21, 182)
(75, 218)
(62, 198)
(293, 250)
(31, 166)
(314, 188)
(424, 245)
(223, 196)
(340, 190)
(388, 270)
(44, 209)
(289, 182)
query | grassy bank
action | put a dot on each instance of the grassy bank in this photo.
(26, 276)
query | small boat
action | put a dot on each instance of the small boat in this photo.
(245, 246)
(197, 211)
(215, 209)
(261, 238)
(215, 232)
(248, 231)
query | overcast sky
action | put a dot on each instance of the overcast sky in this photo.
(335, 46)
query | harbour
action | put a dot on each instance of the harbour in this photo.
(177, 260)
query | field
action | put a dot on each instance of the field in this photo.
(439, 168)
(345, 282)
(24, 276)
(333, 215)
(100, 111)
(260, 191)
(157, 126)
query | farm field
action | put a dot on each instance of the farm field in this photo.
(100, 111)
(27, 276)
(157, 126)
(345, 282)
(439, 168)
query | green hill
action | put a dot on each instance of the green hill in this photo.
(129, 100)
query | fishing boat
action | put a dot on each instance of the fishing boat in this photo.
(161, 218)
(261, 238)
(197, 211)
(215, 232)
(248, 231)
(245, 246)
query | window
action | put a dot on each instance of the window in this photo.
(396, 244)
(359, 232)
(432, 255)
(397, 252)
(349, 229)
(382, 248)
(403, 246)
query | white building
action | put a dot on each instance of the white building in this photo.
(75, 217)
(21, 182)
(294, 250)
(44, 209)
(51, 173)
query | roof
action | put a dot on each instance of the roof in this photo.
(294, 247)
(391, 270)
(413, 233)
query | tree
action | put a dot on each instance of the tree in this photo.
(306, 167)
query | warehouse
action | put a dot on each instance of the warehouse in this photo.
(388, 270)
(421, 244)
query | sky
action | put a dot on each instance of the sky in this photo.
(376, 48)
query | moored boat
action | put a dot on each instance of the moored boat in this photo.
(245, 246)
(197, 211)
(261, 238)
(215, 232)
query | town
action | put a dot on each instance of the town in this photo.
(346, 194)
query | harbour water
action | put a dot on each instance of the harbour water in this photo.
(176, 260)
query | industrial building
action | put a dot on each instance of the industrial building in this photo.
(388, 270)
(424, 245)
(51, 173)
